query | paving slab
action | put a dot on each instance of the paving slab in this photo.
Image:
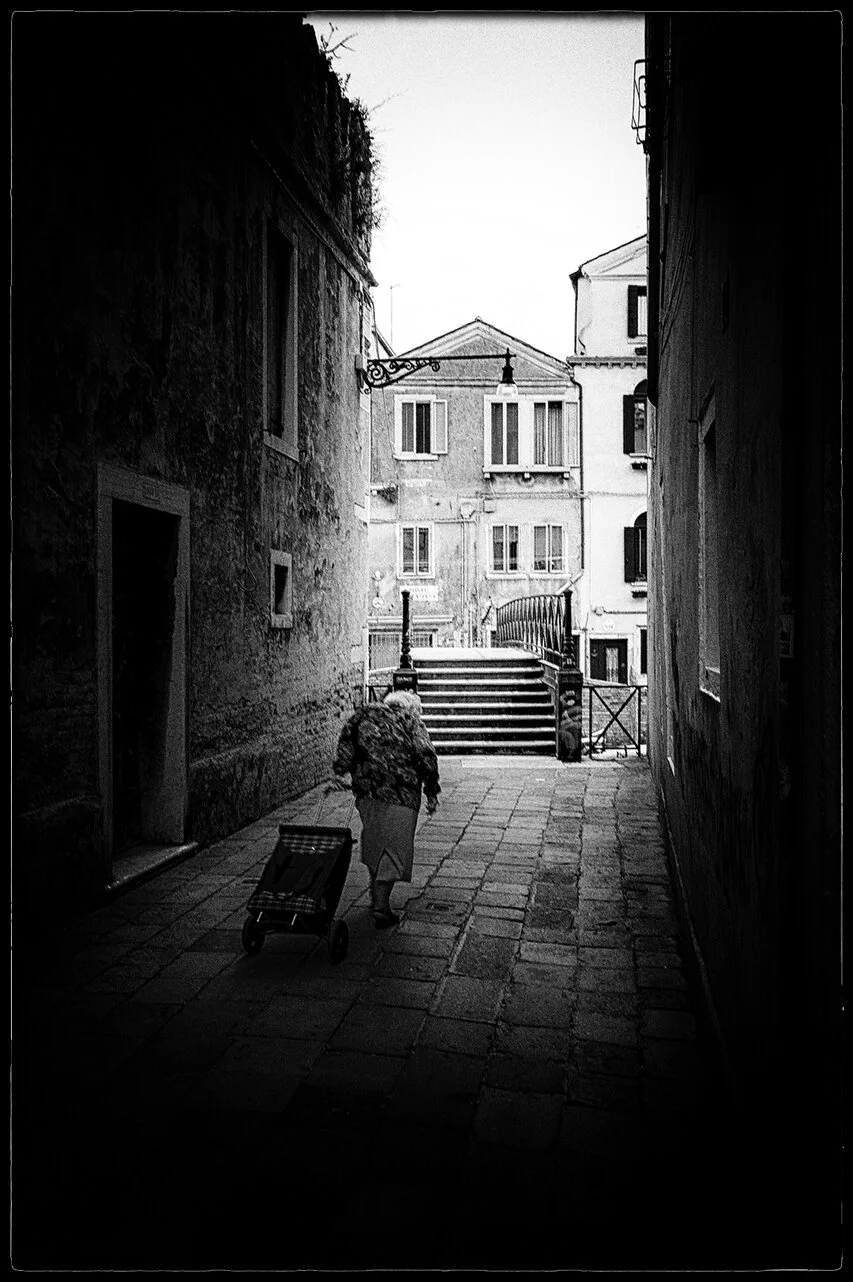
(495, 1066)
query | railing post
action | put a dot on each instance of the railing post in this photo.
(405, 677)
(406, 642)
(569, 691)
(568, 645)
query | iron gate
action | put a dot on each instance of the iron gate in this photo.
(614, 721)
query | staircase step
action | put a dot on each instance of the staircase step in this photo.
(479, 732)
(496, 745)
(477, 669)
(488, 698)
(525, 720)
(476, 702)
(479, 683)
(440, 712)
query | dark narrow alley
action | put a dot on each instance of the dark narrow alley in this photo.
(599, 537)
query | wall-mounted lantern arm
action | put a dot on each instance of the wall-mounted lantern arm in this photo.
(379, 373)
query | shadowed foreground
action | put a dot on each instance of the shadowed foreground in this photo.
(512, 1078)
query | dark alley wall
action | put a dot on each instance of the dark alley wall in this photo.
(152, 153)
(745, 344)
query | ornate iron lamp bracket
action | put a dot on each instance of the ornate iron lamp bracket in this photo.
(381, 373)
(377, 373)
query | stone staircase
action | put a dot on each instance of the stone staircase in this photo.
(487, 701)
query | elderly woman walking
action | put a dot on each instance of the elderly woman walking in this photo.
(386, 749)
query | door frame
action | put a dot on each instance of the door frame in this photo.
(622, 642)
(172, 500)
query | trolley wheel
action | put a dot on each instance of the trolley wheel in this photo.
(338, 941)
(253, 937)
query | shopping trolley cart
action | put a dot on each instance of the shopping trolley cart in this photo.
(301, 885)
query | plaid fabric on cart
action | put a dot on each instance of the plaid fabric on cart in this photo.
(268, 901)
(297, 871)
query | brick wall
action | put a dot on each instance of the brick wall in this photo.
(143, 184)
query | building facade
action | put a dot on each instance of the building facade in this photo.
(609, 365)
(745, 532)
(190, 444)
(475, 493)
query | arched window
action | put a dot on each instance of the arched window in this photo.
(636, 551)
(634, 421)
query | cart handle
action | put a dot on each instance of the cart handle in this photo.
(329, 788)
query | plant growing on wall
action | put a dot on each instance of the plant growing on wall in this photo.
(359, 164)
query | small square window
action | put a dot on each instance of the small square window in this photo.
(281, 589)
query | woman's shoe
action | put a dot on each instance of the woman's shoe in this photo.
(385, 919)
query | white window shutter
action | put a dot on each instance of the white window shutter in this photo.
(439, 427)
(573, 449)
(398, 424)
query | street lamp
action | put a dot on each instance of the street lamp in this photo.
(380, 373)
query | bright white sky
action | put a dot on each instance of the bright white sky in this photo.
(508, 159)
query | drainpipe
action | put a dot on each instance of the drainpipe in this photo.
(466, 511)
(580, 449)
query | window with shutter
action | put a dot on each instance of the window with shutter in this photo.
(630, 568)
(504, 434)
(421, 427)
(539, 436)
(548, 549)
(636, 551)
(640, 548)
(512, 432)
(627, 424)
(439, 427)
(573, 447)
(416, 550)
(407, 445)
(634, 423)
(540, 547)
(505, 549)
(552, 422)
(637, 311)
(497, 454)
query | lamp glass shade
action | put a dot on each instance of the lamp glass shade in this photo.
(507, 386)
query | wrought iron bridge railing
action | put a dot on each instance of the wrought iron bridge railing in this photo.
(540, 624)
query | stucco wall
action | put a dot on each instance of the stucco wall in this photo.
(602, 303)
(453, 496)
(138, 341)
(615, 494)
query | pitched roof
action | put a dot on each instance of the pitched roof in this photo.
(477, 328)
(618, 255)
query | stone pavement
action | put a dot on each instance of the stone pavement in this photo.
(512, 1078)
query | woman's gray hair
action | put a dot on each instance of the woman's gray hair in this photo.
(403, 699)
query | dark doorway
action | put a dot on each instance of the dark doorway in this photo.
(145, 554)
(608, 661)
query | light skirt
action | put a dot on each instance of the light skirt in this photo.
(387, 839)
